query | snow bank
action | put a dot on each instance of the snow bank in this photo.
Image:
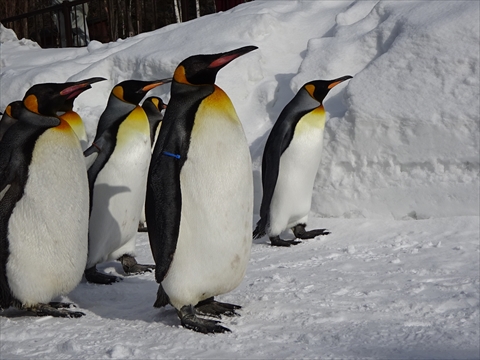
(403, 136)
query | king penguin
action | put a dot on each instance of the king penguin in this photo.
(44, 203)
(153, 107)
(117, 179)
(290, 162)
(200, 195)
(9, 117)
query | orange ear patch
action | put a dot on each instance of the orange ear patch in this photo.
(31, 103)
(118, 92)
(310, 89)
(8, 110)
(179, 75)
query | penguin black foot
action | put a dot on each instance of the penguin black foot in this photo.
(162, 298)
(276, 241)
(55, 309)
(210, 307)
(300, 232)
(131, 267)
(190, 321)
(94, 276)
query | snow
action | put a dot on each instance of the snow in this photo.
(398, 185)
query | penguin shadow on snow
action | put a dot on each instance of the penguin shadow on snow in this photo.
(130, 299)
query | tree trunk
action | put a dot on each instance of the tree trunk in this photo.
(178, 10)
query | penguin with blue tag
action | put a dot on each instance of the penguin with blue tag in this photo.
(44, 204)
(290, 162)
(200, 195)
(117, 179)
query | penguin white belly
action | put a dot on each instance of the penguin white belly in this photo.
(216, 220)
(299, 163)
(47, 230)
(118, 197)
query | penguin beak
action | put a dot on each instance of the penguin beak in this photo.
(335, 82)
(227, 57)
(73, 91)
(155, 84)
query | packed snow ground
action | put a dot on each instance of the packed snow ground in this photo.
(398, 185)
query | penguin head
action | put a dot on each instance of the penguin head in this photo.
(157, 102)
(133, 91)
(318, 89)
(50, 98)
(203, 69)
(13, 109)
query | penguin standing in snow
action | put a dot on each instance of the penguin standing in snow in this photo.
(43, 204)
(153, 107)
(117, 179)
(200, 195)
(290, 162)
(9, 117)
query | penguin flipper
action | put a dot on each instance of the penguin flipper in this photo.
(162, 298)
(163, 221)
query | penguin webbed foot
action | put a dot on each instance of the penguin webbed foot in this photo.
(94, 276)
(55, 309)
(131, 267)
(189, 320)
(276, 241)
(300, 232)
(210, 307)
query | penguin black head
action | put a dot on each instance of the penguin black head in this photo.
(50, 98)
(157, 102)
(318, 89)
(203, 69)
(13, 109)
(133, 91)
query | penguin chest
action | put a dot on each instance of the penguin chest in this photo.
(47, 230)
(216, 183)
(119, 190)
(299, 164)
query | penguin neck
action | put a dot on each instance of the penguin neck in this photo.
(116, 111)
(37, 120)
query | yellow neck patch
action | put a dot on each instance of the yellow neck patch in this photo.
(31, 103)
(72, 118)
(179, 75)
(314, 119)
(63, 126)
